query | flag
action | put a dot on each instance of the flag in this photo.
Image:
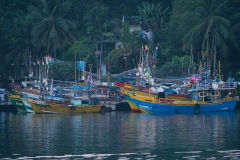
(42, 61)
(146, 48)
(154, 55)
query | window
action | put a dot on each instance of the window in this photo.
(84, 101)
(201, 94)
(78, 94)
(214, 93)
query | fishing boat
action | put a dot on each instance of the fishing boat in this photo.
(25, 97)
(16, 88)
(17, 102)
(207, 95)
(78, 102)
(30, 94)
(48, 107)
(108, 95)
(20, 102)
(20, 94)
(151, 105)
(127, 90)
(37, 91)
(144, 80)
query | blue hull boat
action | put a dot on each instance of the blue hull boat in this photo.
(150, 105)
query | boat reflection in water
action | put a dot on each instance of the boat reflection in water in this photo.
(115, 135)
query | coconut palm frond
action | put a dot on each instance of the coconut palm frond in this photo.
(64, 9)
(37, 11)
(221, 44)
(233, 39)
(53, 30)
(235, 17)
(235, 28)
(63, 26)
(38, 30)
(195, 32)
(221, 20)
(218, 9)
(199, 28)
(33, 20)
(222, 30)
(153, 15)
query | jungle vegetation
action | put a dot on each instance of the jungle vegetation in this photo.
(185, 31)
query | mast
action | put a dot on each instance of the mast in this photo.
(75, 68)
(139, 65)
(219, 68)
(100, 64)
(214, 54)
(30, 67)
(191, 59)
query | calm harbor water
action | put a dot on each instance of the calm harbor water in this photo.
(120, 135)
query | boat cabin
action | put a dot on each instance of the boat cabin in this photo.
(212, 91)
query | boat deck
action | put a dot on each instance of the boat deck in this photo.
(216, 86)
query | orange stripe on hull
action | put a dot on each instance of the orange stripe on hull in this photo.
(136, 111)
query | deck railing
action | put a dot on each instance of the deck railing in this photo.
(216, 86)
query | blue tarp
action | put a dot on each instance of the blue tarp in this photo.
(80, 65)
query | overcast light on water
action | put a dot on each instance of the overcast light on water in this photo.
(120, 135)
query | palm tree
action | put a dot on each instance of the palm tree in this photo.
(130, 45)
(97, 20)
(235, 18)
(20, 55)
(21, 49)
(153, 15)
(53, 30)
(213, 29)
(6, 39)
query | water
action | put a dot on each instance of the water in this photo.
(120, 135)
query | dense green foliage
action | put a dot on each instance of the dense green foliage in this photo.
(70, 30)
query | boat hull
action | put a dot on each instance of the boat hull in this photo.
(183, 107)
(109, 105)
(128, 92)
(134, 107)
(17, 103)
(42, 107)
(27, 105)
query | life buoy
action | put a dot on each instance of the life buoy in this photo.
(72, 108)
(196, 108)
(211, 90)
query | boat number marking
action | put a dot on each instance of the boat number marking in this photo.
(145, 107)
(20, 104)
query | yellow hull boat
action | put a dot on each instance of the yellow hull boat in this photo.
(43, 107)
